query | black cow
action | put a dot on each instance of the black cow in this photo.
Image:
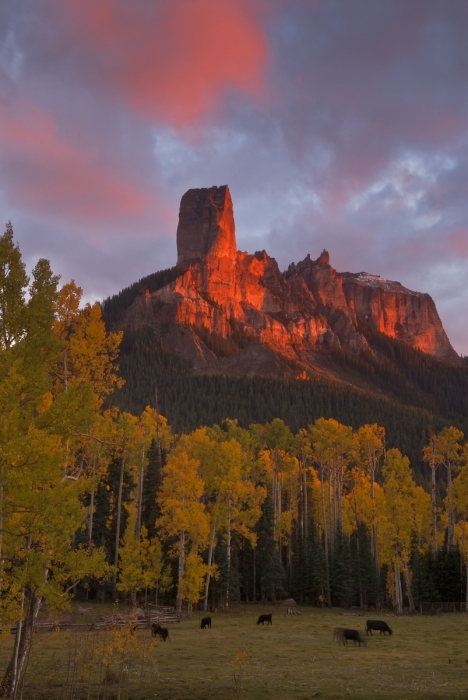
(353, 636)
(205, 622)
(163, 633)
(377, 625)
(155, 629)
(265, 618)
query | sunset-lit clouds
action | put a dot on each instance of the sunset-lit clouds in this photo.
(336, 124)
(49, 177)
(171, 59)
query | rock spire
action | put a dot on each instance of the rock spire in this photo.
(206, 225)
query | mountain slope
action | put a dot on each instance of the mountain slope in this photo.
(227, 316)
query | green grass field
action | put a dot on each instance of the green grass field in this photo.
(427, 657)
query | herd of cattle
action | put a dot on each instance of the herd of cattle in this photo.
(340, 634)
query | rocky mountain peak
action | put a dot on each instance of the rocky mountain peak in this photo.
(297, 314)
(206, 226)
(324, 257)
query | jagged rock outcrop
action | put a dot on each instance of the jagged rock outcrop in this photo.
(286, 316)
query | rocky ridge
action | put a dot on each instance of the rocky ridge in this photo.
(286, 319)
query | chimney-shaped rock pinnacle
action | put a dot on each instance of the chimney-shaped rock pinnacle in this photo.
(206, 225)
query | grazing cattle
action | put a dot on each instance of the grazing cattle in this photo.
(205, 622)
(353, 636)
(338, 635)
(163, 633)
(377, 625)
(265, 618)
(155, 629)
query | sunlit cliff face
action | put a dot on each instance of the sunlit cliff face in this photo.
(224, 290)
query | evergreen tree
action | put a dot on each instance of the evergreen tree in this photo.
(157, 458)
(366, 581)
(272, 575)
(319, 573)
(449, 577)
(342, 571)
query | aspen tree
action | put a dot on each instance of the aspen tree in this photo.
(183, 515)
(445, 450)
(430, 456)
(87, 352)
(140, 558)
(370, 441)
(460, 503)
(127, 453)
(40, 506)
(333, 447)
(279, 440)
(399, 489)
(151, 426)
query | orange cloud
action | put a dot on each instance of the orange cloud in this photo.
(172, 59)
(46, 175)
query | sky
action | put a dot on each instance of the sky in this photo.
(337, 124)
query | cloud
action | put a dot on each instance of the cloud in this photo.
(169, 60)
(48, 176)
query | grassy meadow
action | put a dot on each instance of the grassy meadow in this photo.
(295, 658)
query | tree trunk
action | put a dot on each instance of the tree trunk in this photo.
(1, 535)
(398, 592)
(23, 639)
(306, 514)
(254, 597)
(228, 557)
(91, 515)
(330, 520)
(449, 508)
(466, 592)
(140, 496)
(374, 548)
(325, 538)
(279, 514)
(181, 571)
(117, 528)
(210, 553)
(433, 499)
(340, 496)
(408, 588)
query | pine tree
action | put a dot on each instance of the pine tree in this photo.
(319, 574)
(272, 575)
(342, 570)
(157, 458)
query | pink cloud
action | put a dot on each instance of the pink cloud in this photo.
(172, 59)
(45, 174)
(458, 242)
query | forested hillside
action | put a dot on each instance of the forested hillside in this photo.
(414, 394)
(209, 490)
(114, 307)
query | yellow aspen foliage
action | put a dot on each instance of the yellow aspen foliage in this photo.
(422, 517)
(41, 506)
(182, 512)
(87, 352)
(400, 500)
(141, 559)
(194, 578)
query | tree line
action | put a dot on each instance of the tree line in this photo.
(100, 502)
